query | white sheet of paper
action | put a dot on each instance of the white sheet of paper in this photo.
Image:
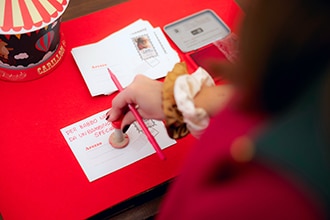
(121, 53)
(88, 140)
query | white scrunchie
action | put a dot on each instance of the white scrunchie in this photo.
(185, 89)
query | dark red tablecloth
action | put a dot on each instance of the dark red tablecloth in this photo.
(39, 177)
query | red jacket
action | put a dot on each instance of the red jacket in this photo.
(215, 184)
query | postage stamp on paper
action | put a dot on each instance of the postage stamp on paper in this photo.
(144, 47)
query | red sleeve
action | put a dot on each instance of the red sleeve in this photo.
(213, 186)
(250, 193)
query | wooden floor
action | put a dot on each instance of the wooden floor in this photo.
(78, 8)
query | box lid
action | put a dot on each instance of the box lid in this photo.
(197, 30)
(19, 17)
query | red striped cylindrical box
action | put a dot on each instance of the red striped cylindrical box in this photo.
(31, 44)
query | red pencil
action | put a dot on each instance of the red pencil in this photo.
(139, 119)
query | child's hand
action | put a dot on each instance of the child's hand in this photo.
(145, 94)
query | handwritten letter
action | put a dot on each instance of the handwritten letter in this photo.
(88, 140)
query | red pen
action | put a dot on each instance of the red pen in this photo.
(139, 119)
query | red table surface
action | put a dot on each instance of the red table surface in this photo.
(40, 177)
